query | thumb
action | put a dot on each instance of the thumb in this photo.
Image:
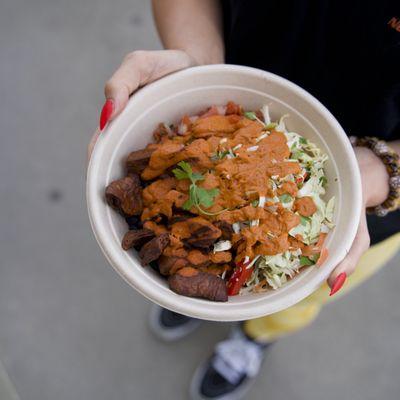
(119, 87)
(138, 69)
(359, 246)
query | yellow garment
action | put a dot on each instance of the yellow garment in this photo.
(273, 326)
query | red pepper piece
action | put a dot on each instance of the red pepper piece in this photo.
(239, 277)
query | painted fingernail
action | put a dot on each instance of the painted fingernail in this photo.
(106, 113)
(338, 283)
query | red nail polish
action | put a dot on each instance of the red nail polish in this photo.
(106, 113)
(338, 283)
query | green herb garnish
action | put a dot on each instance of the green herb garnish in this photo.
(285, 198)
(197, 196)
(306, 261)
(250, 115)
(271, 125)
(323, 180)
(303, 140)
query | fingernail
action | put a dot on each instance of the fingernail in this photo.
(106, 113)
(338, 283)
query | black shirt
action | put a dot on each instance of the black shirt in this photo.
(345, 53)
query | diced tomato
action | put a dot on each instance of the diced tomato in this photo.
(239, 277)
(233, 108)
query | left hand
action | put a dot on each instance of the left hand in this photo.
(375, 187)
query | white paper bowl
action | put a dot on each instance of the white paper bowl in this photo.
(188, 92)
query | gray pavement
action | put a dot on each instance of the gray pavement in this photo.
(70, 328)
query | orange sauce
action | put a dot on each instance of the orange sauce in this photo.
(240, 180)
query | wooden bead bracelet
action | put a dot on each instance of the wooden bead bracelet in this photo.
(392, 162)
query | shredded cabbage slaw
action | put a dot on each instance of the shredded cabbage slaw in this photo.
(276, 270)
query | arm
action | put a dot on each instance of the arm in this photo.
(192, 26)
(375, 187)
(192, 33)
(190, 30)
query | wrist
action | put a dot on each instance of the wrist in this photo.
(199, 57)
(374, 177)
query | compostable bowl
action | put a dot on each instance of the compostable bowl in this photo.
(188, 92)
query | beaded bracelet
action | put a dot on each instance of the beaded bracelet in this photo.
(392, 162)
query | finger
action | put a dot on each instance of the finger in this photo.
(123, 83)
(359, 246)
(139, 68)
(92, 144)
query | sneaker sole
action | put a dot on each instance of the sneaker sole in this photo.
(194, 390)
(169, 335)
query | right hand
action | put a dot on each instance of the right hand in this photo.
(137, 69)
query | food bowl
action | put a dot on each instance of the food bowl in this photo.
(188, 92)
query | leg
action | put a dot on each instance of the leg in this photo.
(236, 361)
(271, 327)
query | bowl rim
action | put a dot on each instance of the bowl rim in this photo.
(204, 309)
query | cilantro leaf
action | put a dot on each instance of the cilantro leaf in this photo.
(186, 167)
(206, 197)
(187, 205)
(250, 115)
(323, 180)
(197, 196)
(179, 174)
(185, 171)
(197, 177)
(306, 261)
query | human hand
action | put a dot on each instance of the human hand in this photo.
(137, 69)
(375, 187)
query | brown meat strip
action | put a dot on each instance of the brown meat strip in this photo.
(125, 195)
(191, 282)
(138, 160)
(203, 235)
(136, 238)
(169, 265)
(179, 216)
(225, 228)
(152, 250)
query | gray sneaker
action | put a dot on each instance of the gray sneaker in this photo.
(231, 370)
(170, 326)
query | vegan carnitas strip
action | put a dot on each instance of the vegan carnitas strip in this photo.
(225, 202)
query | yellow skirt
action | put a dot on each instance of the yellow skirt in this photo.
(272, 327)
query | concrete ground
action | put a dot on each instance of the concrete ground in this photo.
(70, 328)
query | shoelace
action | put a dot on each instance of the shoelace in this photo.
(237, 356)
